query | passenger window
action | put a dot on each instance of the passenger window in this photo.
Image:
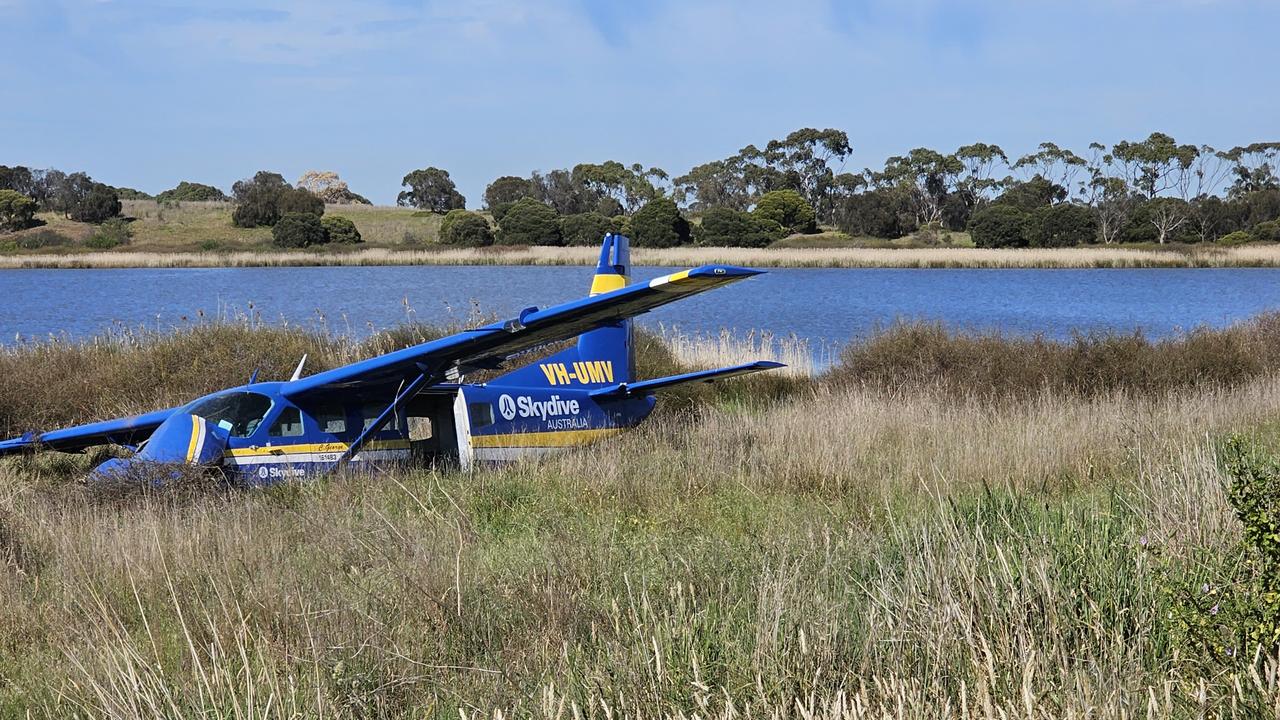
(396, 423)
(370, 413)
(289, 424)
(420, 428)
(331, 419)
(481, 414)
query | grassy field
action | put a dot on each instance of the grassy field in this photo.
(206, 226)
(921, 532)
(201, 235)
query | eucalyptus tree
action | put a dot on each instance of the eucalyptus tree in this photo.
(431, 189)
(1254, 167)
(803, 162)
(927, 175)
(630, 187)
(1057, 165)
(1154, 165)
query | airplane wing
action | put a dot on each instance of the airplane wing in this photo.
(488, 346)
(123, 431)
(644, 387)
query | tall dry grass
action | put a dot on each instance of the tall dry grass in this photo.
(700, 350)
(853, 553)
(1082, 257)
(913, 354)
(844, 550)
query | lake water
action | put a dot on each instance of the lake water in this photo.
(827, 307)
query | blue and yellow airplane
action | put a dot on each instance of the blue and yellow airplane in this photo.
(413, 404)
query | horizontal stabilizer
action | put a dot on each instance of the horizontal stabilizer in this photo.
(645, 387)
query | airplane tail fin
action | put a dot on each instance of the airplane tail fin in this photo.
(601, 357)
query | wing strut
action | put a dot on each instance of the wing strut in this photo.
(409, 391)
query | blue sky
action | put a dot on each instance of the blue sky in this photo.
(145, 94)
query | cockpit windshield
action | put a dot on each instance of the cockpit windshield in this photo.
(239, 413)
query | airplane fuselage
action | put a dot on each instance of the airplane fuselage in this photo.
(265, 437)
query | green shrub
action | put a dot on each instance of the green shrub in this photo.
(192, 192)
(1138, 227)
(789, 209)
(1239, 237)
(110, 234)
(1061, 225)
(126, 193)
(659, 224)
(461, 227)
(499, 211)
(340, 230)
(932, 233)
(997, 226)
(16, 210)
(1225, 619)
(882, 212)
(265, 198)
(298, 230)
(297, 200)
(529, 222)
(100, 203)
(726, 227)
(1033, 193)
(588, 228)
(1266, 231)
(622, 224)
(449, 219)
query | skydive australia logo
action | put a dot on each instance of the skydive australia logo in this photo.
(507, 407)
(526, 407)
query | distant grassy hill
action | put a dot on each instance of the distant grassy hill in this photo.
(204, 226)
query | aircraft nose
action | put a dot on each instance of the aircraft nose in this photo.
(112, 469)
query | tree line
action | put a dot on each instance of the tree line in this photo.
(1149, 190)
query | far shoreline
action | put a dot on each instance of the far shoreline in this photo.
(1252, 255)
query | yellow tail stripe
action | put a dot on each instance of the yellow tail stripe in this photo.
(607, 283)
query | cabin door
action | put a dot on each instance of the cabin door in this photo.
(462, 421)
(433, 440)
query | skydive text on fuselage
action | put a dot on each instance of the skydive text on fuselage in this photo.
(555, 407)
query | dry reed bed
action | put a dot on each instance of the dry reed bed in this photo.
(844, 554)
(1090, 257)
(859, 547)
(700, 350)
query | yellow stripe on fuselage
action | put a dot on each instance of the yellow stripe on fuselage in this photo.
(604, 283)
(195, 439)
(558, 438)
(314, 448)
